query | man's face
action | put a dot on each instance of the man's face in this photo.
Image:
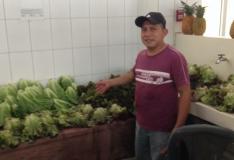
(152, 35)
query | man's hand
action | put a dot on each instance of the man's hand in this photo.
(102, 86)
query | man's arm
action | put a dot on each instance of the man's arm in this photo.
(184, 105)
(103, 85)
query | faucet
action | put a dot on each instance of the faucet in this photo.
(221, 58)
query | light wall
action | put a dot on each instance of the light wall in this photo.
(88, 39)
(204, 50)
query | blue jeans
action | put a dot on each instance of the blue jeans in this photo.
(148, 144)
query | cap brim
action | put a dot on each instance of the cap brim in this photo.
(140, 20)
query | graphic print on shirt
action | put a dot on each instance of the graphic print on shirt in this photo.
(152, 77)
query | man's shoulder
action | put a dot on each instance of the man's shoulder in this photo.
(174, 53)
(141, 53)
(173, 50)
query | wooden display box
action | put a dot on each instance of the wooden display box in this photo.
(105, 142)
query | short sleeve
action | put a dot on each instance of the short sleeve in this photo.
(136, 60)
(180, 73)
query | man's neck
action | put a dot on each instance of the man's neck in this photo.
(156, 50)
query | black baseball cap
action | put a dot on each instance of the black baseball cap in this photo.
(153, 18)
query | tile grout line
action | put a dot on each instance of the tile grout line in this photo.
(64, 18)
(31, 52)
(125, 53)
(51, 38)
(90, 40)
(7, 39)
(108, 39)
(60, 49)
(72, 44)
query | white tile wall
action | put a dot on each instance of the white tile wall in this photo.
(131, 52)
(117, 60)
(61, 33)
(43, 70)
(98, 8)
(46, 8)
(12, 8)
(131, 31)
(3, 38)
(131, 7)
(116, 30)
(59, 8)
(22, 66)
(99, 31)
(18, 35)
(167, 7)
(81, 32)
(63, 62)
(82, 61)
(88, 39)
(5, 71)
(170, 26)
(80, 8)
(100, 60)
(116, 8)
(1, 10)
(147, 6)
(40, 35)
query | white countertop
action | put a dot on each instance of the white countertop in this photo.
(212, 115)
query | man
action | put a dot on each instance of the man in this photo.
(162, 93)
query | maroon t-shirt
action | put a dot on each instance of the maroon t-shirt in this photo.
(157, 79)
